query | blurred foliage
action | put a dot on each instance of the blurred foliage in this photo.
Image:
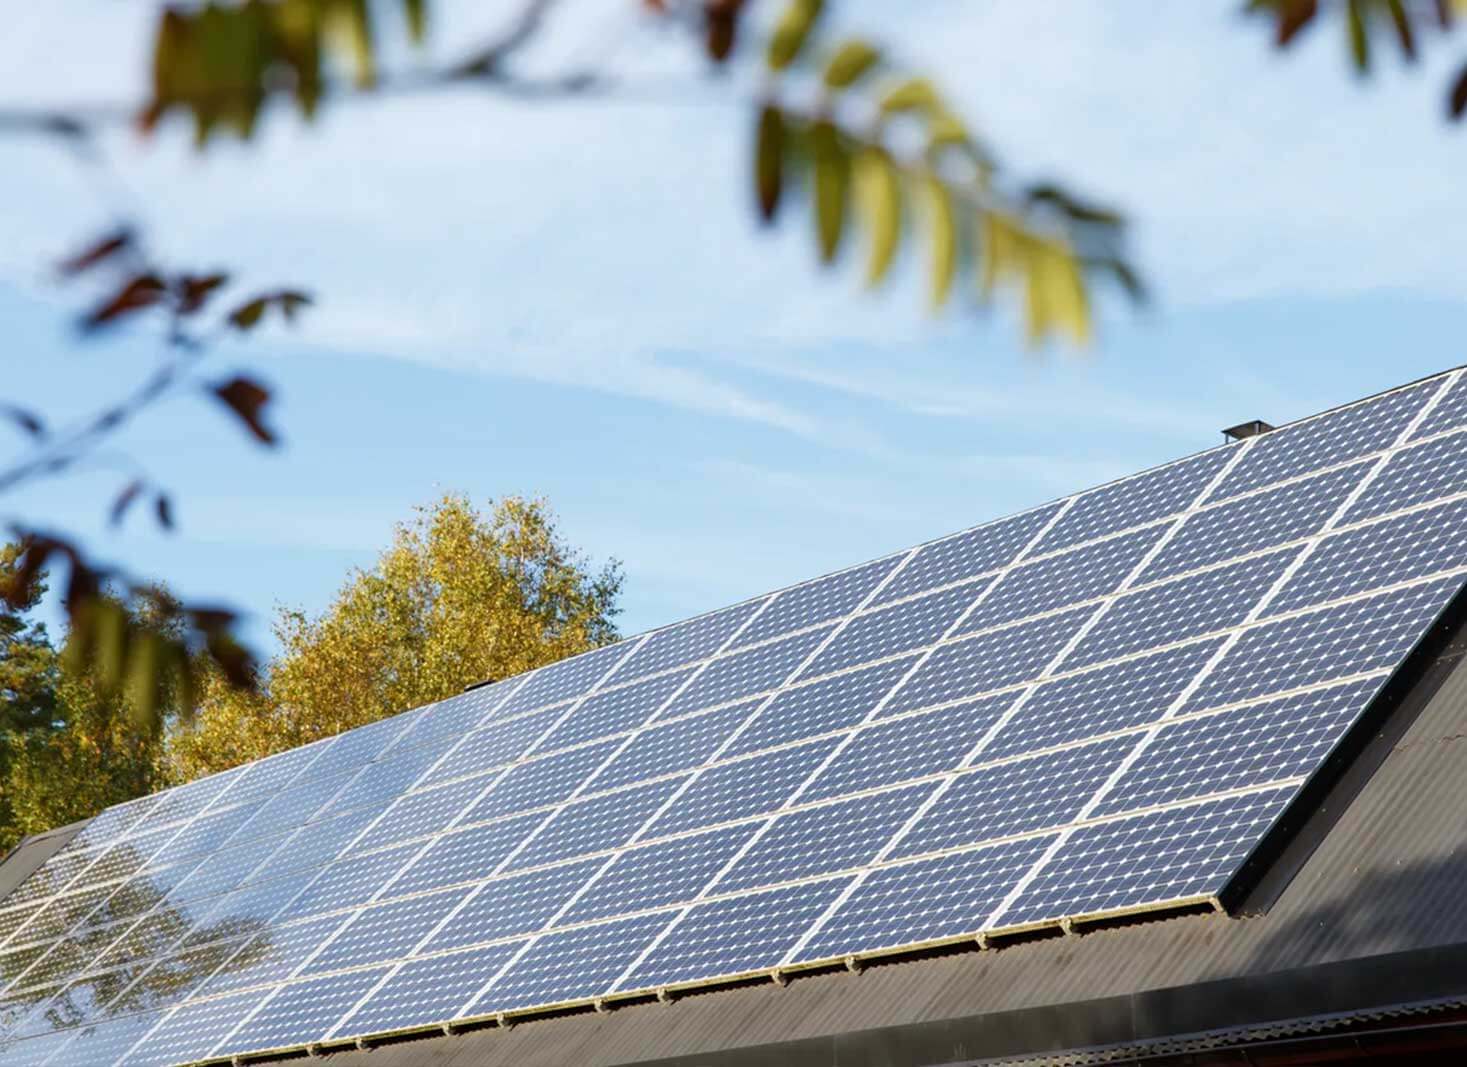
(1402, 25)
(71, 742)
(461, 596)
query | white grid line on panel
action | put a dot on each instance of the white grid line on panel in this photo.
(1027, 691)
(570, 903)
(1226, 646)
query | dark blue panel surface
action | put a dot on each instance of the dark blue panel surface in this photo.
(427, 991)
(674, 746)
(967, 554)
(734, 936)
(927, 900)
(565, 680)
(518, 904)
(668, 872)
(1184, 607)
(1173, 854)
(1132, 501)
(1253, 523)
(833, 837)
(463, 855)
(594, 825)
(829, 704)
(897, 628)
(304, 1011)
(422, 813)
(385, 931)
(746, 787)
(1449, 413)
(988, 661)
(271, 955)
(1414, 476)
(548, 780)
(1068, 578)
(192, 1031)
(1102, 700)
(818, 601)
(1325, 440)
(1248, 746)
(1015, 798)
(612, 711)
(493, 745)
(747, 672)
(571, 965)
(895, 750)
(687, 642)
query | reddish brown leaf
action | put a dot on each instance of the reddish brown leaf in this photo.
(247, 399)
(124, 501)
(1457, 101)
(95, 253)
(193, 291)
(1294, 15)
(139, 292)
(19, 588)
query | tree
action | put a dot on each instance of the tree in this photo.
(72, 740)
(461, 596)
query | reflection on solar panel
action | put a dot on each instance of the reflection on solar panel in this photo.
(1097, 707)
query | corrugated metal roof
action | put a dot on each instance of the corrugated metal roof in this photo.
(1389, 876)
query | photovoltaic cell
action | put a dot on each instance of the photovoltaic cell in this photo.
(1336, 437)
(1183, 607)
(594, 825)
(1102, 700)
(897, 750)
(988, 661)
(1414, 545)
(1253, 745)
(1350, 638)
(923, 901)
(818, 601)
(686, 642)
(669, 872)
(967, 554)
(1415, 476)
(897, 628)
(1255, 522)
(1068, 578)
(833, 837)
(734, 936)
(673, 746)
(1173, 854)
(829, 704)
(518, 904)
(570, 965)
(745, 787)
(1133, 501)
(747, 672)
(331, 868)
(1003, 799)
(427, 991)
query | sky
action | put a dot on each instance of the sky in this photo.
(574, 300)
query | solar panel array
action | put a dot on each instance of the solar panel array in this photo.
(1095, 707)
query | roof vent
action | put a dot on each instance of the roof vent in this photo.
(1251, 428)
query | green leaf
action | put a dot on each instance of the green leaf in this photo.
(944, 235)
(879, 196)
(1359, 39)
(769, 160)
(850, 62)
(832, 183)
(416, 12)
(792, 31)
(915, 94)
(1402, 23)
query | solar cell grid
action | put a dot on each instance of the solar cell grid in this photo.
(565, 680)
(1449, 413)
(612, 711)
(668, 872)
(594, 825)
(492, 745)
(748, 671)
(749, 786)
(460, 856)
(829, 704)
(968, 554)
(686, 642)
(271, 955)
(304, 1011)
(1414, 476)
(818, 601)
(427, 991)
(896, 628)
(384, 932)
(543, 781)
(674, 746)
(516, 904)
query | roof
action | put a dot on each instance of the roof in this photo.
(1372, 925)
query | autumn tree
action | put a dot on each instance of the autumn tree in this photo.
(461, 596)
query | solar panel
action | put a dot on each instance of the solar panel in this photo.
(1097, 707)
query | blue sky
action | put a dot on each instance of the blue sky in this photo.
(573, 299)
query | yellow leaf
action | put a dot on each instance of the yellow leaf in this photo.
(852, 60)
(416, 12)
(878, 192)
(832, 181)
(350, 24)
(944, 235)
(792, 31)
(916, 94)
